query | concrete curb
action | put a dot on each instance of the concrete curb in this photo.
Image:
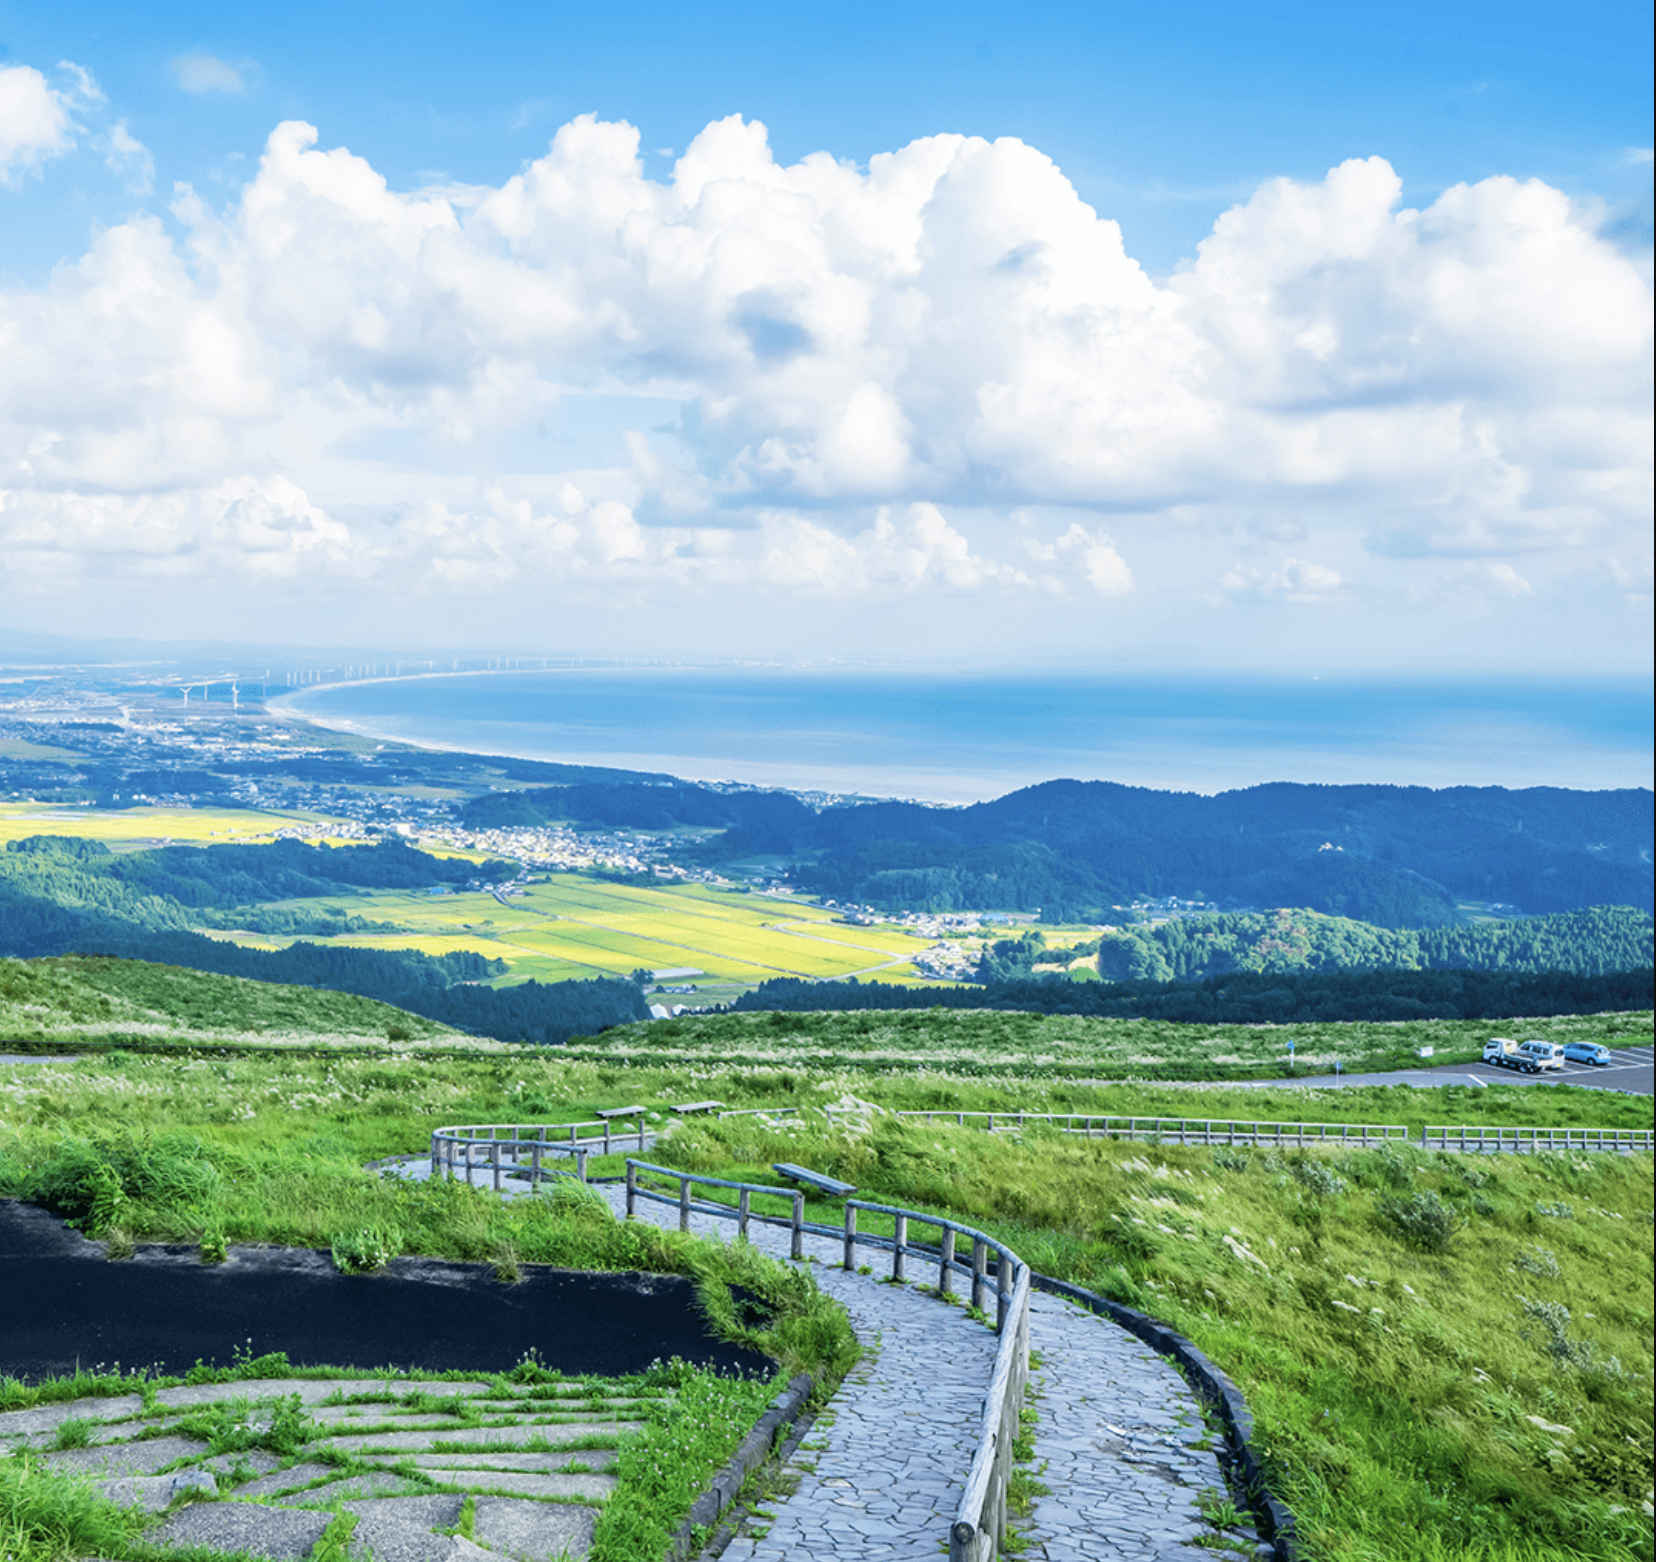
(769, 1430)
(1273, 1517)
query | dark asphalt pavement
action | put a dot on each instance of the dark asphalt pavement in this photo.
(62, 1303)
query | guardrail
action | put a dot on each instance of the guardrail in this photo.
(1175, 1130)
(1202, 1130)
(1530, 1141)
(979, 1525)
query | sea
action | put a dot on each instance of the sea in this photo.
(966, 737)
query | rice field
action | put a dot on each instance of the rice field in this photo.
(573, 926)
(134, 829)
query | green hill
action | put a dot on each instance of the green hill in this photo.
(90, 999)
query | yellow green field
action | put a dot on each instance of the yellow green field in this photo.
(136, 828)
(574, 926)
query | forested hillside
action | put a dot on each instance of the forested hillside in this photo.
(1589, 942)
(1245, 997)
(1388, 855)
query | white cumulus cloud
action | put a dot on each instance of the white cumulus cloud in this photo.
(875, 367)
(37, 120)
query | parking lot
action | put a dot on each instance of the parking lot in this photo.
(1632, 1069)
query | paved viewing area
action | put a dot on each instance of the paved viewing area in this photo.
(401, 1457)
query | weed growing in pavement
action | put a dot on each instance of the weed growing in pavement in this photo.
(45, 1516)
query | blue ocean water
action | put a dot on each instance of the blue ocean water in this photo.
(961, 738)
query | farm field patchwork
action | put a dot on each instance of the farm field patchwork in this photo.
(134, 829)
(573, 926)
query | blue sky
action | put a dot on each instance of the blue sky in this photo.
(1162, 115)
(285, 396)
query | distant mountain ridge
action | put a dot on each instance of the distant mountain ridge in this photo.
(1394, 856)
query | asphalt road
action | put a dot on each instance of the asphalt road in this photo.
(1631, 1069)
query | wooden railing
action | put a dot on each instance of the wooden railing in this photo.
(742, 1212)
(500, 1148)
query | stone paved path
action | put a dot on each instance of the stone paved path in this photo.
(401, 1456)
(881, 1476)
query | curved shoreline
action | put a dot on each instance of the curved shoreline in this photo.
(691, 769)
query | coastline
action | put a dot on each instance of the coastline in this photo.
(946, 742)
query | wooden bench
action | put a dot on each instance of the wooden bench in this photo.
(609, 1115)
(832, 1186)
(688, 1107)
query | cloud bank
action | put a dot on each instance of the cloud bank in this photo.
(941, 374)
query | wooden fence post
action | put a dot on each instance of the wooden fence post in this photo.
(980, 1263)
(632, 1185)
(850, 1236)
(1003, 1297)
(899, 1249)
(945, 1270)
(743, 1200)
(684, 1203)
(796, 1249)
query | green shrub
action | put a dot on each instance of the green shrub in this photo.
(364, 1250)
(1422, 1219)
(1318, 1178)
(1538, 1261)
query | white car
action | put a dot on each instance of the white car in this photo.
(1542, 1055)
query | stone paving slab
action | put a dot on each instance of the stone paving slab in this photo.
(280, 1482)
(44, 1420)
(403, 1529)
(152, 1493)
(373, 1483)
(567, 1434)
(284, 1534)
(595, 1459)
(590, 1488)
(125, 1458)
(532, 1532)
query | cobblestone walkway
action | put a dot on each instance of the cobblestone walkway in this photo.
(1123, 1443)
(881, 1475)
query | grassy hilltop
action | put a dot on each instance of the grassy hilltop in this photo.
(90, 1000)
(1447, 1358)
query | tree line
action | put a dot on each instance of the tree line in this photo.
(1247, 998)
